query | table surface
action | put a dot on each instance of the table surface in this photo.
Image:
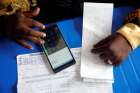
(127, 75)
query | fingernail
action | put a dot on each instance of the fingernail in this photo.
(44, 35)
(109, 62)
(43, 27)
(31, 48)
(42, 42)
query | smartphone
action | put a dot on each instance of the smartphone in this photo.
(56, 49)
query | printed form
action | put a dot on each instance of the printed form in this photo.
(97, 24)
(36, 76)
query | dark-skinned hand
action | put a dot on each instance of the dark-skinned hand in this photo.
(114, 49)
(19, 28)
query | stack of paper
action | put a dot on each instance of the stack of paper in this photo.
(35, 76)
(97, 25)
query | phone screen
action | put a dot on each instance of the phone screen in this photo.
(56, 49)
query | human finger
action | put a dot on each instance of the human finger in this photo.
(31, 32)
(35, 39)
(32, 13)
(108, 57)
(104, 41)
(37, 24)
(99, 50)
(103, 56)
(24, 44)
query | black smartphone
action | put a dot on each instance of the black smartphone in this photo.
(56, 49)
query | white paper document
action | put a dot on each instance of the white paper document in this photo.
(97, 23)
(35, 76)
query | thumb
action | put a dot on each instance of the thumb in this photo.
(32, 13)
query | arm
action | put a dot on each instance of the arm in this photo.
(116, 47)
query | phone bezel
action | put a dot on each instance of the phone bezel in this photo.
(68, 64)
